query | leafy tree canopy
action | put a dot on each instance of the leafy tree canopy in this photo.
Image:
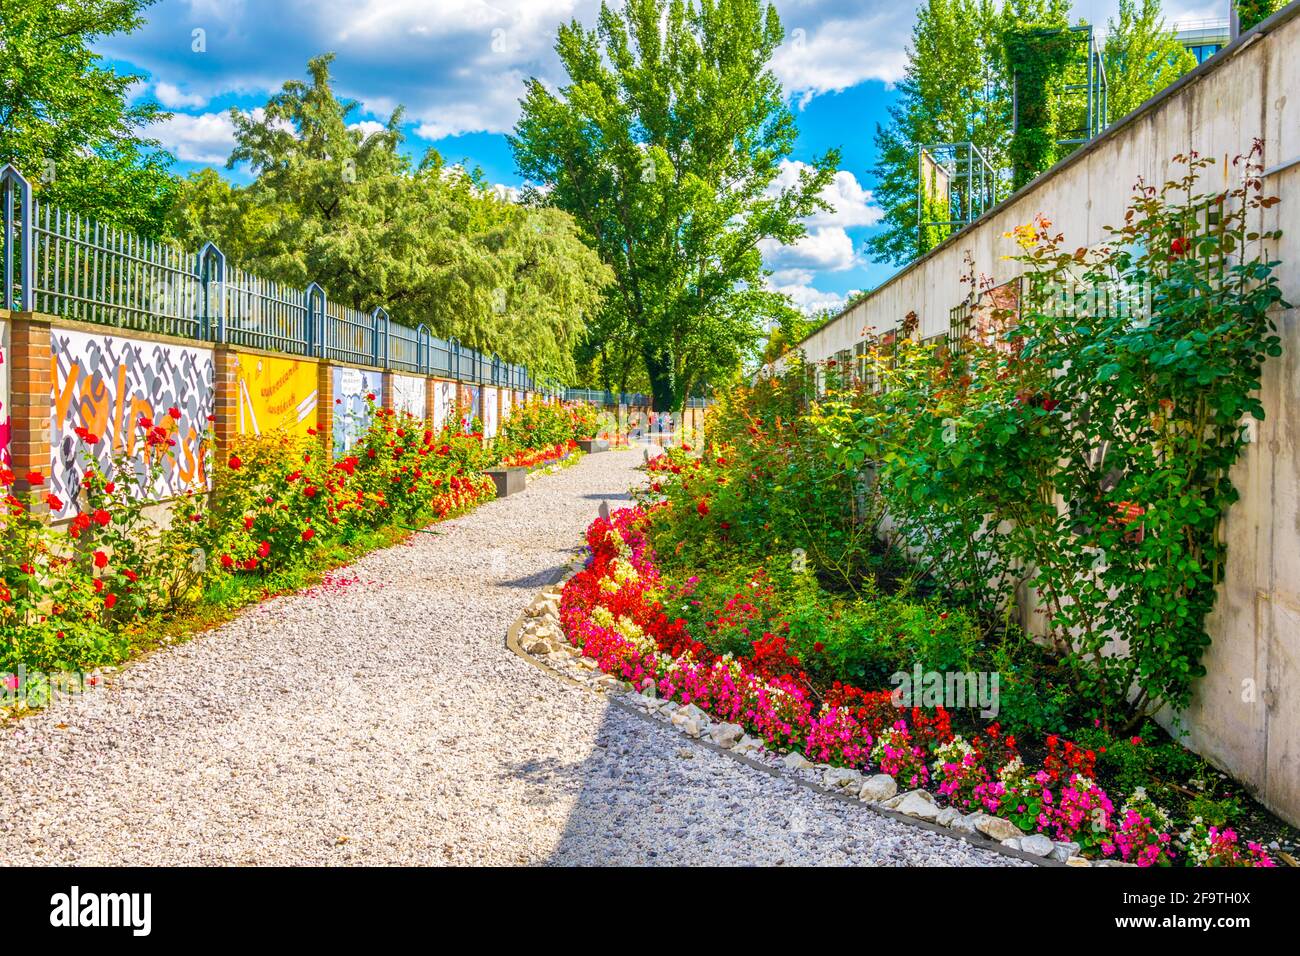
(428, 241)
(957, 88)
(65, 120)
(665, 145)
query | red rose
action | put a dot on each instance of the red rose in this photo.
(110, 488)
(235, 463)
(131, 576)
(309, 534)
(175, 413)
(264, 549)
(702, 508)
(1178, 248)
(55, 503)
(101, 517)
(227, 561)
(101, 559)
(109, 601)
(35, 479)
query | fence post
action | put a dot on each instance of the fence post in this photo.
(11, 181)
(30, 388)
(315, 319)
(380, 324)
(212, 261)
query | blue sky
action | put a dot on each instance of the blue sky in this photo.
(458, 67)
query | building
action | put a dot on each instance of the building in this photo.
(1203, 38)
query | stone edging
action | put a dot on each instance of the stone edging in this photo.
(550, 652)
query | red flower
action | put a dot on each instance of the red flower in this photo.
(264, 549)
(131, 576)
(227, 562)
(101, 517)
(702, 508)
(235, 463)
(55, 503)
(35, 479)
(818, 646)
(109, 601)
(370, 396)
(307, 535)
(175, 413)
(101, 559)
(1178, 248)
(110, 487)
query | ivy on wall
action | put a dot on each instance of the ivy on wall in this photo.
(1039, 59)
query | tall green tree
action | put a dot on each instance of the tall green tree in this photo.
(665, 145)
(1142, 56)
(1252, 12)
(429, 242)
(64, 118)
(957, 88)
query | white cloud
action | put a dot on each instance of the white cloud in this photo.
(368, 128)
(828, 49)
(827, 247)
(206, 138)
(808, 299)
(173, 97)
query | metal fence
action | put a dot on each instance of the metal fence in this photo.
(63, 264)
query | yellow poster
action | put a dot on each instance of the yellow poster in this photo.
(275, 394)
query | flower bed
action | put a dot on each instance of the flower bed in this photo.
(613, 611)
(534, 458)
(85, 594)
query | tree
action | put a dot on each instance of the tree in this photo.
(431, 243)
(65, 121)
(1252, 12)
(957, 88)
(665, 145)
(1142, 56)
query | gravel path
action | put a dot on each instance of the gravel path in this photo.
(384, 721)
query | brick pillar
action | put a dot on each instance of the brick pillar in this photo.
(501, 407)
(386, 393)
(430, 399)
(461, 400)
(325, 406)
(225, 402)
(31, 391)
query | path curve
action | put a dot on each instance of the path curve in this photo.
(384, 721)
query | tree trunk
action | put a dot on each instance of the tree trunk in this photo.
(659, 370)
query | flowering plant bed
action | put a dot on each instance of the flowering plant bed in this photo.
(91, 592)
(534, 458)
(614, 611)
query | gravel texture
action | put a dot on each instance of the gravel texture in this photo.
(381, 719)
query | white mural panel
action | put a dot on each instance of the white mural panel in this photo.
(408, 394)
(352, 388)
(489, 413)
(444, 402)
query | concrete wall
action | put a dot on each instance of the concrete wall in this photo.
(1245, 715)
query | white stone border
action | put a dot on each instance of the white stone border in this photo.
(538, 637)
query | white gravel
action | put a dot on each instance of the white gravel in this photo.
(386, 722)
